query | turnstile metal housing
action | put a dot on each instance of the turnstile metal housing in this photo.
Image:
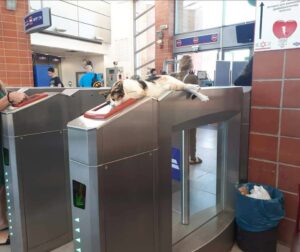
(36, 168)
(123, 167)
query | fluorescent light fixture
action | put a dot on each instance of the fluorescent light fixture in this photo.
(99, 38)
(57, 29)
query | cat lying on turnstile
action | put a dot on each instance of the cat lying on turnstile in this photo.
(123, 90)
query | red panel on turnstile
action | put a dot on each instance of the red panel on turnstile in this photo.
(92, 114)
(31, 99)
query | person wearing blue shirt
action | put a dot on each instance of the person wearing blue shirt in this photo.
(89, 77)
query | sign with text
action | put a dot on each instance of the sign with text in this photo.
(203, 39)
(277, 25)
(38, 20)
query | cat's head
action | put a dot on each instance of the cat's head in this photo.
(123, 90)
(117, 93)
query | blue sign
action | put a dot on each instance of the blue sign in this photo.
(176, 164)
(38, 20)
(204, 39)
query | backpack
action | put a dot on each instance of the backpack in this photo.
(95, 82)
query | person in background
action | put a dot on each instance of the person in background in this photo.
(245, 79)
(153, 72)
(153, 75)
(55, 81)
(6, 99)
(186, 75)
(90, 78)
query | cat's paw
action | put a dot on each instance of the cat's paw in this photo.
(195, 91)
(202, 97)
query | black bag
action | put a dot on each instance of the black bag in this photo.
(95, 82)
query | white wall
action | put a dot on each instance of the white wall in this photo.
(82, 18)
(46, 40)
(120, 49)
(121, 37)
(71, 65)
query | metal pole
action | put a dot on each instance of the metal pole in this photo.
(185, 187)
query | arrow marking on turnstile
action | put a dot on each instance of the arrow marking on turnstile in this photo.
(78, 240)
(78, 250)
(77, 219)
(261, 19)
(77, 230)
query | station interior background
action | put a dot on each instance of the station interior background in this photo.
(126, 32)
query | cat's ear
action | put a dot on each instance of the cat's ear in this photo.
(106, 95)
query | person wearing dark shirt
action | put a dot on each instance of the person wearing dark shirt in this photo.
(245, 79)
(55, 80)
(153, 75)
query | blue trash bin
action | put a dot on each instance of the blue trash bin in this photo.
(257, 220)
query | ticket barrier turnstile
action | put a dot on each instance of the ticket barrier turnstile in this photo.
(36, 167)
(120, 172)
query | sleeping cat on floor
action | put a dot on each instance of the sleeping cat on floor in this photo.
(123, 90)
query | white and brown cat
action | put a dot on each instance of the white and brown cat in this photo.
(123, 90)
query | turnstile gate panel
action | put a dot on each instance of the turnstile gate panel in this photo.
(120, 169)
(36, 167)
(105, 178)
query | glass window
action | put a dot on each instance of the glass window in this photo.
(204, 61)
(144, 71)
(145, 38)
(145, 56)
(203, 184)
(197, 15)
(144, 60)
(145, 20)
(237, 55)
(234, 15)
(143, 5)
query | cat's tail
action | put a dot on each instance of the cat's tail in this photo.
(195, 90)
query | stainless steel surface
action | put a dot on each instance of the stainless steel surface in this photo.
(185, 187)
(129, 206)
(245, 127)
(176, 112)
(44, 187)
(86, 223)
(37, 90)
(119, 141)
(37, 177)
(207, 181)
(216, 235)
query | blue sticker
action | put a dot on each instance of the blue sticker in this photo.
(176, 170)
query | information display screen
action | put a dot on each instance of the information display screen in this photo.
(5, 156)
(79, 194)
